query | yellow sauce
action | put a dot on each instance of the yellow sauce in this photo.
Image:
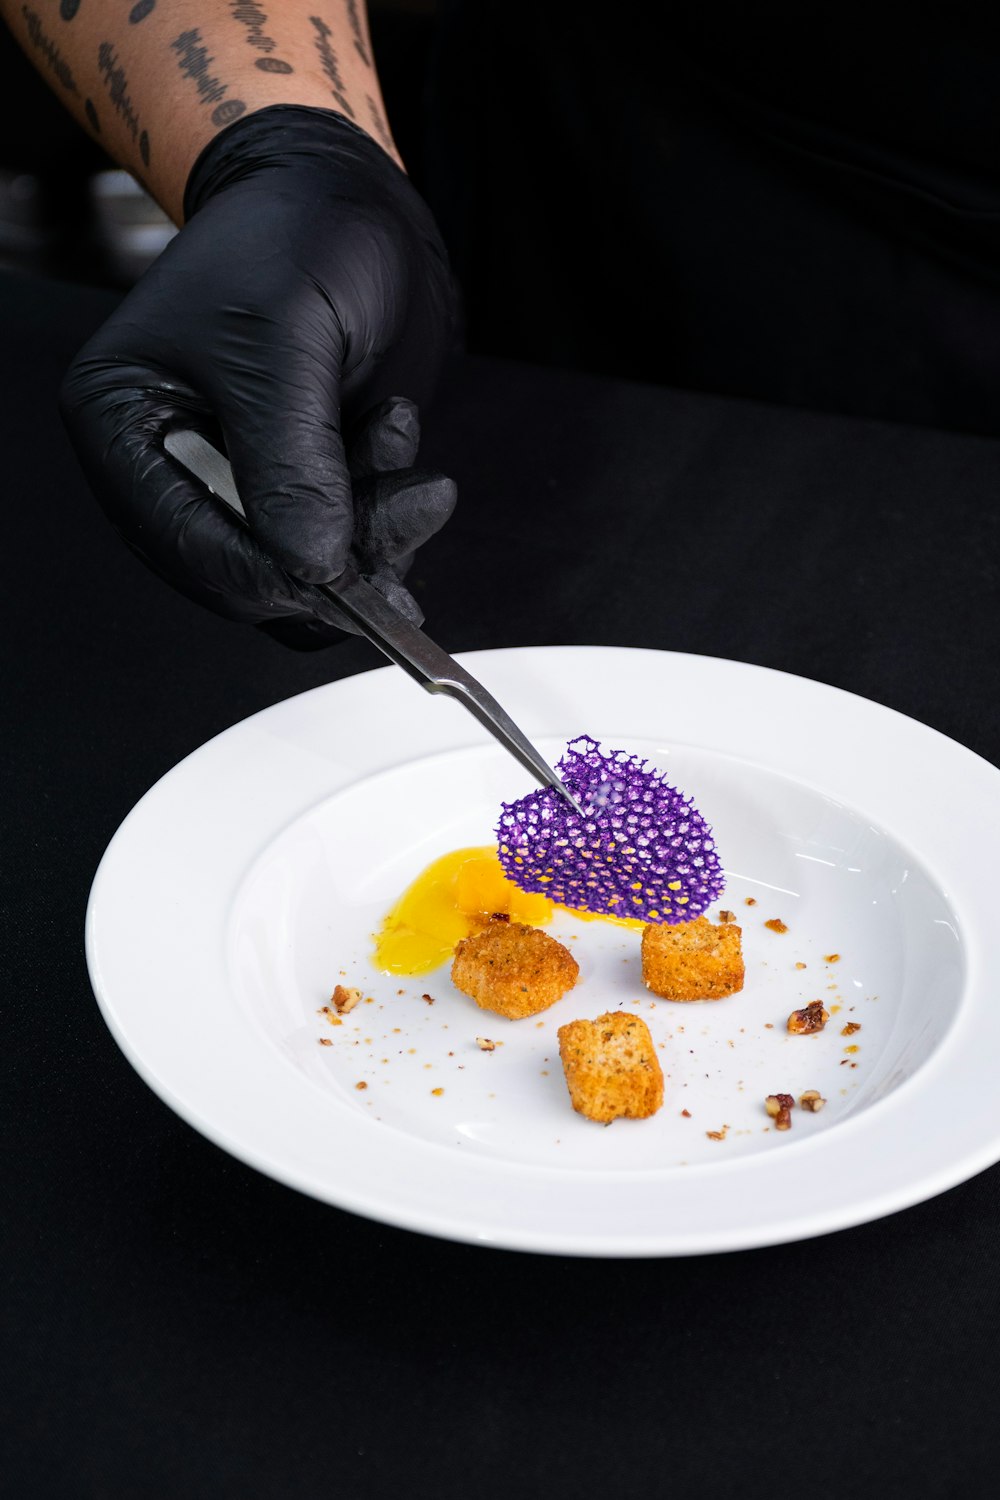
(453, 897)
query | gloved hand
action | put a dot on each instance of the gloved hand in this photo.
(299, 320)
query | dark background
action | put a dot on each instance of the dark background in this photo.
(174, 1323)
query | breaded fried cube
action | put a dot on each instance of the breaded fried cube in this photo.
(611, 1067)
(692, 960)
(513, 969)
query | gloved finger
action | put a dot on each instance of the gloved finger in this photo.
(166, 517)
(313, 634)
(397, 513)
(389, 586)
(206, 552)
(387, 437)
(279, 411)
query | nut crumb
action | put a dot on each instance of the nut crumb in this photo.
(727, 916)
(325, 1041)
(812, 1100)
(485, 1044)
(686, 1114)
(428, 998)
(361, 1085)
(831, 958)
(800, 965)
(344, 1000)
(779, 1107)
(750, 900)
(718, 1135)
(328, 1012)
(850, 1028)
(811, 1018)
(437, 1093)
(776, 924)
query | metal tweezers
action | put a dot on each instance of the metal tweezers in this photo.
(384, 626)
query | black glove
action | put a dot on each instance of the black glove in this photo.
(298, 320)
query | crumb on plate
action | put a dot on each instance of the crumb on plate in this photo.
(779, 1107)
(811, 1018)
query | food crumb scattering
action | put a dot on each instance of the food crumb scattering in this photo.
(344, 1000)
(611, 1067)
(812, 1101)
(779, 1107)
(776, 924)
(641, 849)
(812, 1018)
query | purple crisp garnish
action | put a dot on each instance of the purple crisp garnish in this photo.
(642, 849)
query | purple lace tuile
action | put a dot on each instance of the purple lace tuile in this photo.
(642, 849)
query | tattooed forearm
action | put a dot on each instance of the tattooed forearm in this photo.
(359, 36)
(251, 15)
(378, 123)
(54, 59)
(117, 85)
(194, 63)
(68, 9)
(329, 64)
(254, 18)
(116, 81)
(140, 11)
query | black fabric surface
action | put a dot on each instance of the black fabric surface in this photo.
(176, 1324)
(799, 204)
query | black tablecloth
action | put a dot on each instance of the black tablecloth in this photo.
(176, 1324)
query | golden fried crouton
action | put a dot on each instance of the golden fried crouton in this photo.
(692, 960)
(513, 969)
(611, 1067)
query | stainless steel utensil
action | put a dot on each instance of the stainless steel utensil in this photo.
(383, 625)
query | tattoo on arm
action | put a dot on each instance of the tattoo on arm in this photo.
(140, 11)
(116, 81)
(378, 123)
(194, 61)
(253, 16)
(39, 38)
(359, 36)
(68, 9)
(329, 64)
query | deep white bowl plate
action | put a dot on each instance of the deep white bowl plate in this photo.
(250, 880)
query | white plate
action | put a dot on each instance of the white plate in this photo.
(249, 881)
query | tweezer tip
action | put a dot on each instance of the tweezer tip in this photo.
(567, 796)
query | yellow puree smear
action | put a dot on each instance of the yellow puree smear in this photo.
(453, 897)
